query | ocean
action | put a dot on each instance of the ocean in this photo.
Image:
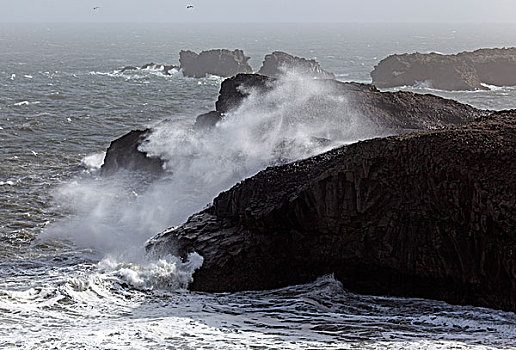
(73, 269)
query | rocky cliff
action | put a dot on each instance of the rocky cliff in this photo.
(464, 71)
(279, 62)
(429, 214)
(223, 63)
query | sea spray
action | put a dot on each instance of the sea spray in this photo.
(115, 215)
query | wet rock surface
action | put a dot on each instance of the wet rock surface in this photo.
(429, 214)
(278, 62)
(463, 71)
(221, 62)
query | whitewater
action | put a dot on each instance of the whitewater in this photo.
(73, 268)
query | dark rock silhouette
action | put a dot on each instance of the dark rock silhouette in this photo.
(463, 71)
(279, 62)
(429, 214)
(207, 120)
(221, 62)
(124, 153)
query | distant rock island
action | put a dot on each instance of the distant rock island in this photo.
(226, 63)
(223, 63)
(463, 71)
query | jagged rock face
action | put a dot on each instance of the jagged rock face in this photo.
(223, 63)
(123, 153)
(464, 71)
(429, 214)
(277, 63)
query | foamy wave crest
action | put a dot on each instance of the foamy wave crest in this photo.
(166, 273)
(93, 162)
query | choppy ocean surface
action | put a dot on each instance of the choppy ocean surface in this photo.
(73, 273)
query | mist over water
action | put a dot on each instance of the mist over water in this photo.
(296, 119)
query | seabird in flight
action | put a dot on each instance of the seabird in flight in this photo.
(96, 7)
(189, 6)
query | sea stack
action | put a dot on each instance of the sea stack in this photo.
(463, 71)
(221, 62)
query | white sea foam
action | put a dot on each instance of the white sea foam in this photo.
(493, 87)
(22, 103)
(93, 162)
(169, 273)
(7, 183)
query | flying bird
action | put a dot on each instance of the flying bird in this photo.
(96, 7)
(189, 6)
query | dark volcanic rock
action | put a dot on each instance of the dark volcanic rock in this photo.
(207, 120)
(223, 63)
(397, 111)
(123, 153)
(279, 62)
(128, 68)
(464, 71)
(430, 214)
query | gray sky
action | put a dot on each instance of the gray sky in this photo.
(258, 11)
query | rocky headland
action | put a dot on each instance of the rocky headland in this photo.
(429, 214)
(463, 71)
(278, 62)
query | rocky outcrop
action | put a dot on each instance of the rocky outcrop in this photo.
(390, 112)
(429, 214)
(464, 71)
(124, 153)
(223, 63)
(278, 62)
(393, 111)
(165, 69)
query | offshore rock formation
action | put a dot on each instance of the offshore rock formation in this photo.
(464, 71)
(279, 62)
(396, 111)
(223, 63)
(429, 214)
(165, 69)
(390, 112)
(124, 153)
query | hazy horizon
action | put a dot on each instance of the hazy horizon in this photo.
(265, 11)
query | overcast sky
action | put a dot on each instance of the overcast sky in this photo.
(258, 11)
